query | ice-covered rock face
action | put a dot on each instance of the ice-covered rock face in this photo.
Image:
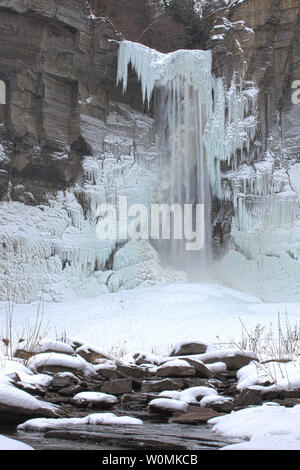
(264, 250)
(53, 251)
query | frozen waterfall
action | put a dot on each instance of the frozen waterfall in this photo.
(200, 125)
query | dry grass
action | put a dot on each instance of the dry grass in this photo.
(273, 346)
(28, 338)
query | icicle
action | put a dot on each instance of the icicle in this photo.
(228, 129)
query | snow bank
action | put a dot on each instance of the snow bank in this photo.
(157, 316)
(286, 376)
(6, 443)
(269, 426)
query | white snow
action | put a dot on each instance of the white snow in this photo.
(13, 397)
(191, 395)
(269, 426)
(157, 316)
(44, 424)
(61, 360)
(95, 398)
(211, 400)
(217, 367)
(175, 363)
(6, 443)
(282, 376)
(48, 345)
(169, 404)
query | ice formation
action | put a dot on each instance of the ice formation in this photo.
(52, 251)
(223, 121)
(201, 124)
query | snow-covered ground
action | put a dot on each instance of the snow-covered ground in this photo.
(155, 317)
(266, 427)
(6, 443)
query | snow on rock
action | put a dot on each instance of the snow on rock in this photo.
(176, 368)
(42, 424)
(186, 348)
(190, 395)
(94, 398)
(6, 443)
(167, 405)
(19, 402)
(44, 345)
(217, 367)
(210, 400)
(143, 358)
(269, 426)
(60, 362)
(233, 358)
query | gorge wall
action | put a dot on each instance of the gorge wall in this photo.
(70, 140)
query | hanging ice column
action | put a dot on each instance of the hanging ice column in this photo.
(200, 123)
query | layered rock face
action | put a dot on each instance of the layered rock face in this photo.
(52, 59)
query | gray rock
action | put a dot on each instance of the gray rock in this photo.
(133, 371)
(173, 370)
(117, 387)
(201, 369)
(188, 348)
(63, 379)
(70, 390)
(152, 386)
(249, 397)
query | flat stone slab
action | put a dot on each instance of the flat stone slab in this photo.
(196, 417)
(149, 436)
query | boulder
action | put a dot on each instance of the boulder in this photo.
(201, 369)
(177, 368)
(63, 379)
(54, 362)
(117, 387)
(234, 359)
(199, 416)
(248, 397)
(25, 351)
(188, 348)
(108, 372)
(153, 386)
(133, 371)
(226, 406)
(70, 390)
(17, 405)
(90, 354)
